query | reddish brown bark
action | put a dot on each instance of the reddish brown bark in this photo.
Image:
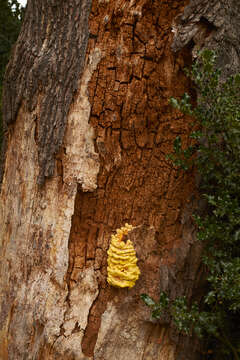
(135, 128)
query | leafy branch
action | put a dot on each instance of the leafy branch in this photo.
(215, 153)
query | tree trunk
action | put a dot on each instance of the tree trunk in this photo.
(88, 130)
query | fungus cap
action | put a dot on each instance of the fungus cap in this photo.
(122, 261)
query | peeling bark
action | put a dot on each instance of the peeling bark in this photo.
(98, 127)
(81, 162)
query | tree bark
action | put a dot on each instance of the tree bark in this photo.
(88, 130)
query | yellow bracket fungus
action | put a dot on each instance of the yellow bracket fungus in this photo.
(122, 261)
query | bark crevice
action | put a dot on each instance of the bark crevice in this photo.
(211, 24)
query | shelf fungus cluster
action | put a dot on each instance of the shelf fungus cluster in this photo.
(122, 261)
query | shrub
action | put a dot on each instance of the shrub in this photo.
(215, 152)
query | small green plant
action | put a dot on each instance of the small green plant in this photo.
(215, 152)
(186, 318)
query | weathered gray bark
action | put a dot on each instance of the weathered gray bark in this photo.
(211, 24)
(88, 117)
(48, 59)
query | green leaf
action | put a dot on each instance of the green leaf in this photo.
(163, 300)
(156, 314)
(174, 102)
(177, 145)
(147, 300)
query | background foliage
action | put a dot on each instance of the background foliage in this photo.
(216, 153)
(11, 15)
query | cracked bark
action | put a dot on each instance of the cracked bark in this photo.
(88, 116)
